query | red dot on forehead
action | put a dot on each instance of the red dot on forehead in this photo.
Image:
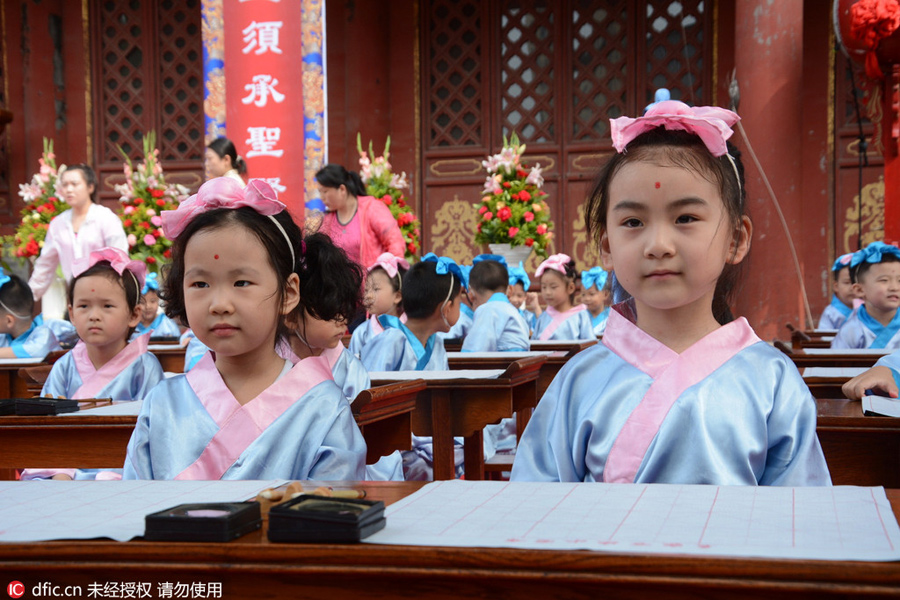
(658, 185)
(216, 257)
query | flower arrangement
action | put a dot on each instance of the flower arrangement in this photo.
(143, 196)
(42, 203)
(512, 209)
(381, 183)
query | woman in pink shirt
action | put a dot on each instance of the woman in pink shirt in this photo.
(77, 232)
(363, 226)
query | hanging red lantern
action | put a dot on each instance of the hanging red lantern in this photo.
(868, 32)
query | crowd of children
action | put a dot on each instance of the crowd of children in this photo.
(678, 390)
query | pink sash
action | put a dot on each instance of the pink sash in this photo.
(672, 374)
(376, 327)
(332, 355)
(240, 426)
(94, 380)
(558, 319)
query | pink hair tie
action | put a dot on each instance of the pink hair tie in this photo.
(557, 262)
(389, 263)
(119, 261)
(710, 123)
(224, 192)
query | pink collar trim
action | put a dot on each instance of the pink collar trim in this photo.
(672, 374)
(558, 318)
(240, 426)
(94, 380)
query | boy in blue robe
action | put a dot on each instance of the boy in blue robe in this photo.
(497, 325)
(22, 336)
(841, 304)
(875, 271)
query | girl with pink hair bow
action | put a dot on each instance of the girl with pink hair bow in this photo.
(384, 296)
(563, 319)
(677, 391)
(243, 411)
(104, 305)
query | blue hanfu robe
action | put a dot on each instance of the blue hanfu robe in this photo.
(892, 362)
(162, 326)
(41, 338)
(130, 375)
(860, 330)
(365, 332)
(599, 322)
(463, 325)
(497, 327)
(192, 427)
(834, 314)
(398, 349)
(729, 410)
(194, 349)
(573, 324)
(529, 317)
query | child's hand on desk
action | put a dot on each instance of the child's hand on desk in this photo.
(61, 477)
(533, 304)
(878, 379)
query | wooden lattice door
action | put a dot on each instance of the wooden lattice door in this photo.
(553, 72)
(148, 75)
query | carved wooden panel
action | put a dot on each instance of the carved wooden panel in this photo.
(554, 72)
(147, 76)
(454, 89)
(598, 66)
(527, 61)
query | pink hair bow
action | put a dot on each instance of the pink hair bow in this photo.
(118, 259)
(389, 263)
(710, 123)
(557, 262)
(221, 192)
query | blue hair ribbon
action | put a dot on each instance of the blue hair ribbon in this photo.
(842, 261)
(873, 253)
(445, 266)
(494, 257)
(519, 275)
(4, 278)
(151, 283)
(595, 276)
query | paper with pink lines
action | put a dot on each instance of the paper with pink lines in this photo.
(827, 523)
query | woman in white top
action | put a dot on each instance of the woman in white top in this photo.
(222, 160)
(77, 232)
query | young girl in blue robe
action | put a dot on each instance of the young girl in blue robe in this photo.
(518, 293)
(243, 412)
(153, 321)
(875, 271)
(595, 297)
(384, 296)
(843, 295)
(329, 296)
(678, 391)
(104, 306)
(563, 319)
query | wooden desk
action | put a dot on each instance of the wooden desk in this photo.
(865, 360)
(572, 347)
(76, 441)
(251, 567)
(860, 450)
(553, 363)
(171, 359)
(462, 407)
(384, 415)
(11, 385)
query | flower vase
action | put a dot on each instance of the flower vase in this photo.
(513, 254)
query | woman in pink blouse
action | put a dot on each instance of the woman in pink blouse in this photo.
(75, 233)
(363, 226)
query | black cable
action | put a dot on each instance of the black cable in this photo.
(863, 155)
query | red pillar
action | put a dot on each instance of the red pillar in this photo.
(890, 134)
(769, 60)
